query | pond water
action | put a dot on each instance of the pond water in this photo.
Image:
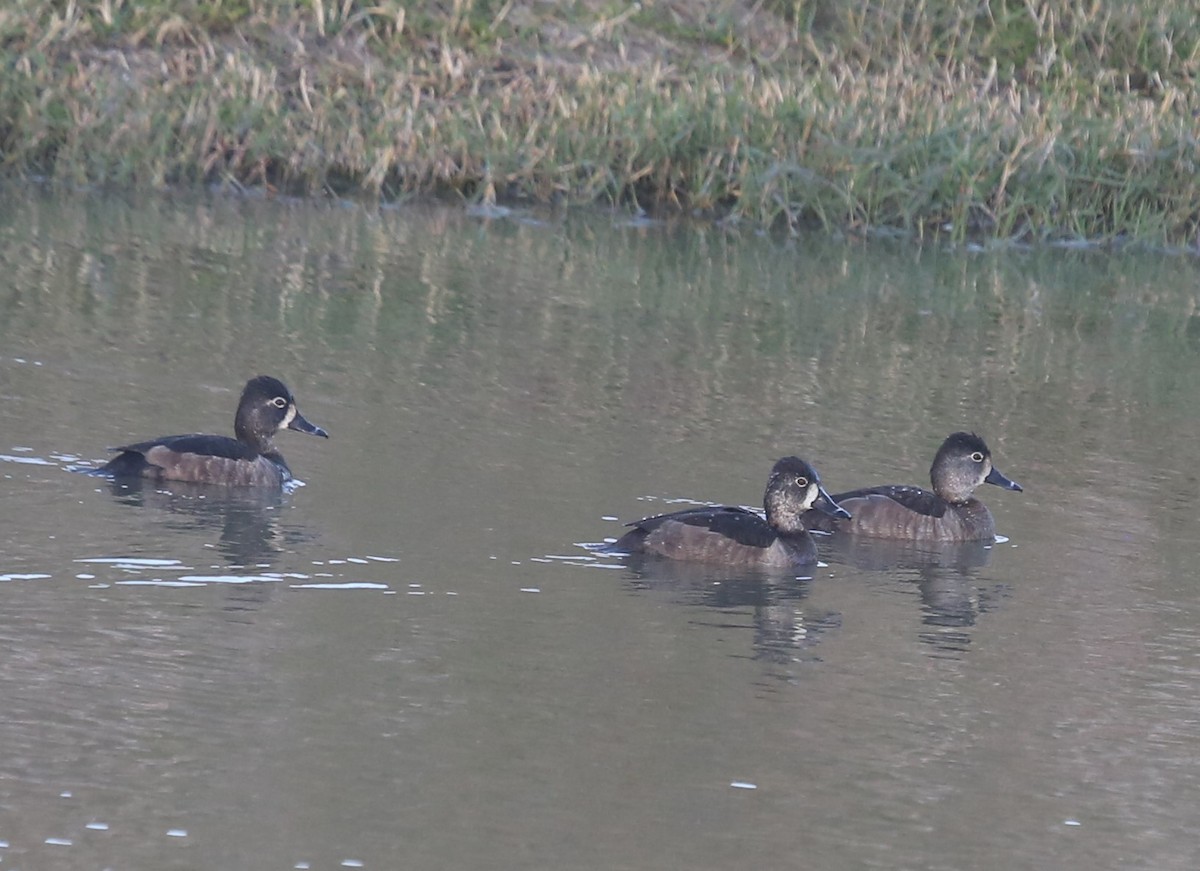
(413, 661)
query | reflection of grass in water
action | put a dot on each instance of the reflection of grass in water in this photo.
(686, 325)
(1016, 120)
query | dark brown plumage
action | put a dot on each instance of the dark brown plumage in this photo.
(250, 460)
(949, 513)
(732, 536)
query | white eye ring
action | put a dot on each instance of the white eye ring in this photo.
(977, 457)
(278, 402)
(801, 481)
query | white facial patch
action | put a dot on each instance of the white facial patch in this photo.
(289, 417)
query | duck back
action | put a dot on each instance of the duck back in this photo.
(198, 458)
(722, 535)
(912, 513)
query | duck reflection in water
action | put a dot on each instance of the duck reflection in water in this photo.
(245, 520)
(945, 575)
(771, 605)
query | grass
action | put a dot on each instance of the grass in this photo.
(998, 120)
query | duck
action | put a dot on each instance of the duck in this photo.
(737, 537)
(949, 513)
(249, 460)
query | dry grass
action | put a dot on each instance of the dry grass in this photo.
(1028, 120)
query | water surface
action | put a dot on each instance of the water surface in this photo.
(411, 661)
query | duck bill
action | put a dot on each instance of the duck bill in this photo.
(995, 477)
(299, 424)
(825, 504)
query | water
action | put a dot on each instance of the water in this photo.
(411, 661)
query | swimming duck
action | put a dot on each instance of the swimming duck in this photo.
(266, 407)
(949, 513)
(734, 536)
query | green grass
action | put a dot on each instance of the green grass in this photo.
(1005, 120)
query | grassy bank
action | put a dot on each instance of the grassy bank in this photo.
(1026, 120)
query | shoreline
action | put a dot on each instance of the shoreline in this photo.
(1076, 129)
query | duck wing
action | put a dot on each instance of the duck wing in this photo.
(740, 525)
(915, 499)
(195, 443)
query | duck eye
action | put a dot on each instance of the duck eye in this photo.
(801, 481)
(278, 402)
(977, 457)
